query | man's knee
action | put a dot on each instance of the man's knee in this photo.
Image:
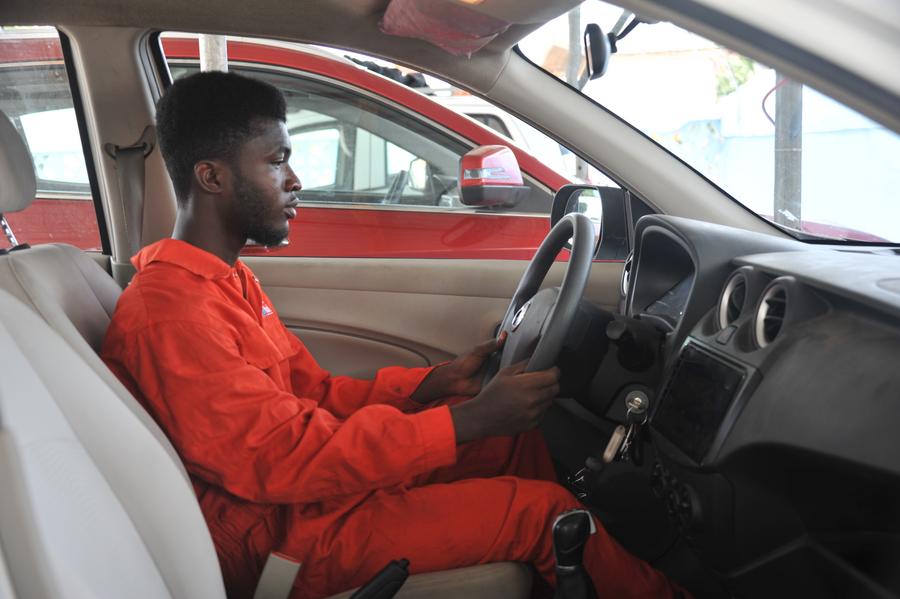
(552, 497)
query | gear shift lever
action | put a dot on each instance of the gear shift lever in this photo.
(570, 533)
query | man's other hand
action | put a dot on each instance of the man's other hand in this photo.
(513, 402)
(462, 376)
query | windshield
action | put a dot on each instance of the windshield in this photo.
(785, 151)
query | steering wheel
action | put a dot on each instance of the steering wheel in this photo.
(537, 322)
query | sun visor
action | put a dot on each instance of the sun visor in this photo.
(452, 27)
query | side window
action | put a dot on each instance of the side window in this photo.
(353, 150)
(379, 180)
(348, 149)
(35, 96)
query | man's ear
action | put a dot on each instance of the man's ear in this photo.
(213, 176)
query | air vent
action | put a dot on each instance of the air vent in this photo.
(770, 315)
(731, 304)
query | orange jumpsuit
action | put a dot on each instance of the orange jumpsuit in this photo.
(338, 473)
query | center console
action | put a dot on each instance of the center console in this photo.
(699, 402)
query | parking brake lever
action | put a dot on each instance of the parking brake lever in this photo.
(386, 583)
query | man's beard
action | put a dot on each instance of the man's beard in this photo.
(252, 212)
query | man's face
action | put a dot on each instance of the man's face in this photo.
(264, 185)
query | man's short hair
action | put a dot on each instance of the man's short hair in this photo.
(209, 116)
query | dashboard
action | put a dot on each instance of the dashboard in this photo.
(774, 413)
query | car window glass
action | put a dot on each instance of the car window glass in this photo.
(315, 155)
(379, 172)
(353, 149)
(789, 153)
(35, 96)
(55, 144)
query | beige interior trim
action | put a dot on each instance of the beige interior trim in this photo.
(401, 311)
(97, 53)
(6, 590)
(102, 260)
(355, 355)
(503, 579)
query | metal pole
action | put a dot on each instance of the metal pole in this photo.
(573, 65)
(213, 53)
(788, 152)
(574, 61)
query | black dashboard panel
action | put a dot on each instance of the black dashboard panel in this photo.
(776, 424)
(668, 249)
(670, 307)
(699, 393)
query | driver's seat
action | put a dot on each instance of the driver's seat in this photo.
(95, 502)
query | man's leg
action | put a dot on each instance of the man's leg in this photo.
(523, 455)
(446, 526)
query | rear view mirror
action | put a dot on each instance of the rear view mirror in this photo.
(596, 50)
(489, 176)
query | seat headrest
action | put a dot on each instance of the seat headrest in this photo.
(17, 181)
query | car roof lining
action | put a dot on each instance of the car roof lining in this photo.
(344, 24)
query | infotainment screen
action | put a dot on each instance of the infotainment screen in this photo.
(695, 401)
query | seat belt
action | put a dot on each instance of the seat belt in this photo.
(130, 175)
(277, 578)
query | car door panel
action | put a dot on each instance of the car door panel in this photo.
(357, 315)
(356, 355)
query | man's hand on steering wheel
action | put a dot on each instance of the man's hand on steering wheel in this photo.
(514, 401)
(462, 376)
(520, 382)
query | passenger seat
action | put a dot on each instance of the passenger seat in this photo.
(96, 502)
(60, 282)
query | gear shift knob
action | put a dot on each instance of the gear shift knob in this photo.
(571, 531)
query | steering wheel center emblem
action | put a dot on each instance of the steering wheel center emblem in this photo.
(520, 316)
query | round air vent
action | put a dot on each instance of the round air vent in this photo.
(626, 274)
(731, 304)
(770, 314)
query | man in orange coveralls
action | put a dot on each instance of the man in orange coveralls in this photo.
(340, 474)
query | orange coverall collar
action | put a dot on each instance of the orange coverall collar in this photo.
(183, 254)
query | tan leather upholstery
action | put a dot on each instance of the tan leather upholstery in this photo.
(506, 580)
(76, 297)
(17, 180)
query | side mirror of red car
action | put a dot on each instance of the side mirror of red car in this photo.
(489, 176)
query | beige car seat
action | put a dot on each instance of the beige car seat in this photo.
(95, 501)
